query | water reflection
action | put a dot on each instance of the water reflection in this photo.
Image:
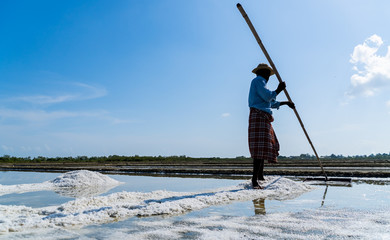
(323, 197)
(87, 191)
(259, 205)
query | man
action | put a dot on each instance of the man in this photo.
(263, 144)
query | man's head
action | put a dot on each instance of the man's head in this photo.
(263, 70)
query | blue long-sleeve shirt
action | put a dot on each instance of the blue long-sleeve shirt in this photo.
(261, 97)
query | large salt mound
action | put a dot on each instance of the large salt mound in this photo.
(83, 178)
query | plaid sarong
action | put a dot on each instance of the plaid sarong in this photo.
(262, 140)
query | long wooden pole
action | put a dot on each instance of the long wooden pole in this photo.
(248, 21)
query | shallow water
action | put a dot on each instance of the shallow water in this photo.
(323, 212)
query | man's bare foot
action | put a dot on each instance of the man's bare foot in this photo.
(255, 184)
(261, 178)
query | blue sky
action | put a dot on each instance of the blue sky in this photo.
(172, 77)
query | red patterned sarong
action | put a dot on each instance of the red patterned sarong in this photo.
(263, 143)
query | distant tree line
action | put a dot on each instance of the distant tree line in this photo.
(333, 156)
(111, 158)
(182, 158)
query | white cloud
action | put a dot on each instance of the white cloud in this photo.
(76, 92)
(118, 120)
(94, 92)
(41, 99)
(47, 147)
(388, 103)
(7, 148)
(225, 115)
(42, 115)
(60, 92)
(82, 92)
(372, 70)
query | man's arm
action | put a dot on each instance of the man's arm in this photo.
(275, 104)
(280, 87)
(267, 94)
(290, 104)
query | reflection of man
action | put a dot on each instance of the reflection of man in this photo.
(263, 144)
(259, 205)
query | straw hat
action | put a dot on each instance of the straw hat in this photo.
(263, 66)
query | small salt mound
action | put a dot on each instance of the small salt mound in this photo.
(83, 178)
(81, 183)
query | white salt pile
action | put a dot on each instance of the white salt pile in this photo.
(83, 178)
(122, 205)
(79, 183)
(308, 224)
(22, 188)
